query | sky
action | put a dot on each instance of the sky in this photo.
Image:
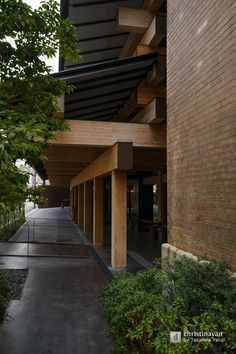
(54, 61)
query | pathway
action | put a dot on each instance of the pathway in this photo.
(59, 311)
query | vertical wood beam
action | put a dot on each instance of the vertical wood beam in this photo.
(87, 206)
(98, 211)
(75, 204)
(118, 220)
(81, 204)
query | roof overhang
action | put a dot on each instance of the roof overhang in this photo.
(102, 89)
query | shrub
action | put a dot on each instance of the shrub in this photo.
(183, 296)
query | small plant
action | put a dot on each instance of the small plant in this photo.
(184, 296)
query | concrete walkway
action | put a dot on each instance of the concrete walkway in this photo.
(59, 311)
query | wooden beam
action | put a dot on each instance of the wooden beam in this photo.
(118, 220)
(58, 115)
(106, 134)
(146, 93)
(59, 183)
(98, 211)
(154, 112)
(133, 20)
(87, 206)
(130, 44)
(119, 157)
(155, 32)
(158, 72)
(72, 154)
(134, 38)
(145, 49)
(68, 171)
(129, 107)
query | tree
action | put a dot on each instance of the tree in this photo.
(28, 93)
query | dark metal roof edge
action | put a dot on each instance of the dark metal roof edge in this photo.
(104, 65)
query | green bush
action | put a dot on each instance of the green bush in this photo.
(183, 296)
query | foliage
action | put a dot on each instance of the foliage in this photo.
(28, 93)
(182, 296)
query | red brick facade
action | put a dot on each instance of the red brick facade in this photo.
(201, 97)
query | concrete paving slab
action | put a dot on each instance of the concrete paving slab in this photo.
(42, 250)
(59, 311)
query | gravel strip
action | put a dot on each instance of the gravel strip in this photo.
(17, 280)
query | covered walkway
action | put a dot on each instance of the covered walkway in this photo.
(59, 311)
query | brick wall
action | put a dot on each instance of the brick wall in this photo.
(201, 148)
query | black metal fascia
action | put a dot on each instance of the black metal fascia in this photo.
(90, 63)
(94, 3)
(109, 83)
(81, 69)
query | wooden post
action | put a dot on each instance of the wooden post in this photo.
(81, 204)
(98, 211)
(118, 220)
(87, 206)
(76, 196)
(72, 198)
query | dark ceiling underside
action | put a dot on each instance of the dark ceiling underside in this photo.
(102, 89)
(96, 23)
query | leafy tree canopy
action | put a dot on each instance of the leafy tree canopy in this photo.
(28, 93)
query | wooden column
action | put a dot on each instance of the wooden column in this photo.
(98, 211)
(118, 219)
(81, 204)
(87, 206)
(75, 204)
(72, 199)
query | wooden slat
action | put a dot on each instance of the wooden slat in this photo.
(144, 49)
(118, 220)
(106, 134)
(155, 32)
(133, 20)
(120, 156)
(146, 93)
(154, 112)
